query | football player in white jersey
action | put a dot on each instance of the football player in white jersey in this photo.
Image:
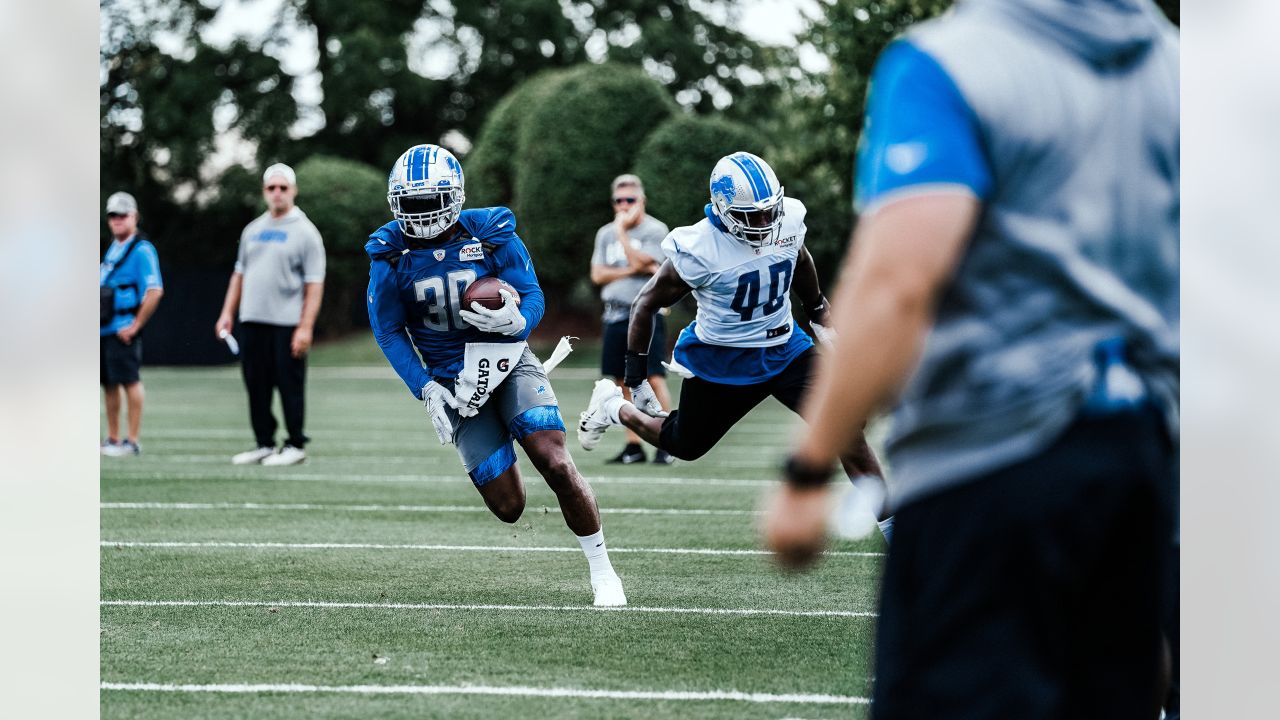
(741, 263)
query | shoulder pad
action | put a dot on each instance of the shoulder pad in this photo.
(491, 226)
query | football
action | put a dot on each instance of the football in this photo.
(485, 291)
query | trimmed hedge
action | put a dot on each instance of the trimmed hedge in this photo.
(676, 159)
(549, 152)
(346, 200)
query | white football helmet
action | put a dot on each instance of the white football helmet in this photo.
(425, 190)
(747, 197)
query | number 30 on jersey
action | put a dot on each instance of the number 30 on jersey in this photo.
(443, 297)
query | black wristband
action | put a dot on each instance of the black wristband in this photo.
(801, 474)
(815, 311)
(637, 369)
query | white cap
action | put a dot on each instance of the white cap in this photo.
(281, 170)
(121, 203)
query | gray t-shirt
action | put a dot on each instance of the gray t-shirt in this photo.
(618, 295)
(277, 257)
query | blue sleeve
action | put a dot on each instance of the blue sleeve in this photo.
(919, 131)
(387, 318)
(516, 267)
(146, 267)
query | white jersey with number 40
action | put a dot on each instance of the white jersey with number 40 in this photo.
(743, 293)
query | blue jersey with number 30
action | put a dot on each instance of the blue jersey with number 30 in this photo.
(420, 291)
(743, 332)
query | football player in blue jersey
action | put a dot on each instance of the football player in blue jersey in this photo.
(741, 262)
(421, 265)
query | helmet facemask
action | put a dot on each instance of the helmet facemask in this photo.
(757, 225)
(426, 212)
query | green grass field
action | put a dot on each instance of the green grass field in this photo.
(371, 582)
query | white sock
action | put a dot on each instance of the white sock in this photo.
(597, 555)
(612, 407)
(886, 528)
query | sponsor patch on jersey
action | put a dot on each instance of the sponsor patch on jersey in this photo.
(439, 255)
(778, 331)
(471, 252)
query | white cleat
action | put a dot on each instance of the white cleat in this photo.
(595, 420)
(253, 457)
(608, 592)
(288, 455)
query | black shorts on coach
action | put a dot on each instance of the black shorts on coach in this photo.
(613, 355)
(119, 364)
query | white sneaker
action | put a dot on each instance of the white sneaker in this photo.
(595, 420)
(124, 448)
(288, 455)
(608, 591)
(253, 457)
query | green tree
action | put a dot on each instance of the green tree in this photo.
(346, 201)
(676, 159)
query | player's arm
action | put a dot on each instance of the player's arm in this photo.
(807, 289)
(387, 318)
(663, 290)
(516, 267)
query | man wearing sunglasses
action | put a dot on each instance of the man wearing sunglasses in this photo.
(131, 288)
(624, 260)
(277, 286)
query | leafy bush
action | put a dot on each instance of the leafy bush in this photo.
(346, 201)
(676, 159)
(551, 152)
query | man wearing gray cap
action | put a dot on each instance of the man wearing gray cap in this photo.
(277, 286)
(130, 289)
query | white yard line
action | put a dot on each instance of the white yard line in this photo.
(394, 508)
(511, 608)
(258, 475)
(449, 548)
(509, 691)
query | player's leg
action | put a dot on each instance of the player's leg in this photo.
(484, 446)
(528, 403)
(707, 411)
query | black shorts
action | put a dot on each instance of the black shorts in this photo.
(613, 356)
(708, 409)
(1034, 591)
(118, 364)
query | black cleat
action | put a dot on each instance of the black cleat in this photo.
(662, 457)
(632, 453)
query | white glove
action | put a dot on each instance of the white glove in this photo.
(646, 401)
(506, 320)
(826, 335)
(438, 398)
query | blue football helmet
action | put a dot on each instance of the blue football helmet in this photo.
(747, 198)
(425, 190)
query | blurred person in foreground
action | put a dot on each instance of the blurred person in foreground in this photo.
(471, 366)
(130, 290)
(1013, 283)
(625, 257)
(277, 287)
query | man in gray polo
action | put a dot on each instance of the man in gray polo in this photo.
(626, 255)
(277, 287)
